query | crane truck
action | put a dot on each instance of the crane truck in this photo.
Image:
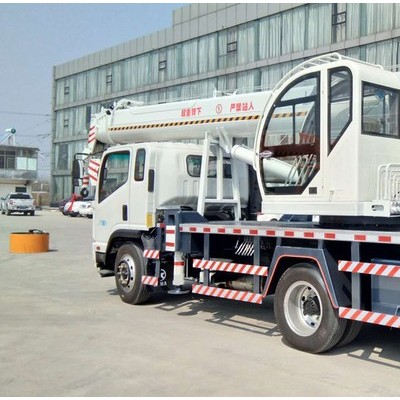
(185, 192)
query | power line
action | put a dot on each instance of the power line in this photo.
(22, 113)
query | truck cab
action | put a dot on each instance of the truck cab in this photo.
(138, 181)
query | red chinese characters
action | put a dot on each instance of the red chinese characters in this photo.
(238, 107)
(191, 112)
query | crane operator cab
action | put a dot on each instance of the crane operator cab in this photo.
(336, 154)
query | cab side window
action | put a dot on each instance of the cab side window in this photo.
(114, 173)
(140, 164)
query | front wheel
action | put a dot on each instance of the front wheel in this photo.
(129, 269)
(303, 311)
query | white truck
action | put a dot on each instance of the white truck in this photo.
(179, 217)
(18, 203)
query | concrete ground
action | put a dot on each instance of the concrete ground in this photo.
(65, 332)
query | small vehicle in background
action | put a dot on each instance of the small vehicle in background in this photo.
(71, 208)
(64, 201)
(86, 209)
(18, 203)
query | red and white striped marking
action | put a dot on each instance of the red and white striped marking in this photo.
(370, 317)
(85, 180)
(154, 254)
(227, 294)
(299, 233)
(392, 271)
(93, 170)
(170, 237)
(92, 134)
(150, 280)
(230, 267)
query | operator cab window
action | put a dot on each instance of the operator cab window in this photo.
(340, 104)
(380, 111)
(289, 153)
(114, 173)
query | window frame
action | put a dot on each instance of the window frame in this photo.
(139, 175)
(103, 196)
(331, 72)
(386, 88)
(290, 190)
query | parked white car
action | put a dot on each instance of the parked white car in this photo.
(72, 207)
(86, 209)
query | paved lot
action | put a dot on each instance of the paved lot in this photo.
(65, 332)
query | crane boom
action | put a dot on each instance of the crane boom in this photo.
(133, 122)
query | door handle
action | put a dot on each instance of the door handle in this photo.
(124, 212)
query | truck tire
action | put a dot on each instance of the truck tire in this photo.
(129, 269)
(303, 311)
(352, 330)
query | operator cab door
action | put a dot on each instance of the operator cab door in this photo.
(111, 211)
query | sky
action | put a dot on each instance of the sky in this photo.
(36, 37)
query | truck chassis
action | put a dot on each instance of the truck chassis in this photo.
(326, 282)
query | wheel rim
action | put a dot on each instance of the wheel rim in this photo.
(126, 273)
(302, 307)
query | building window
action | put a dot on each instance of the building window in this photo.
(109, 79)
(231, 47)
(66, 89)
(66, 122)
(7, 159)
(339, 15)
(62, 161)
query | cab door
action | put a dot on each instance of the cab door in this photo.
(113, 195)
(142, 189)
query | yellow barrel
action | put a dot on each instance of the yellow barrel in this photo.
(34, 241)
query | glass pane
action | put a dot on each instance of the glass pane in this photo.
(290, 153)
(114, 174)
(380, 111)
(339, 105)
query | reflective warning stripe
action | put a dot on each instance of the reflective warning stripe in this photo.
(227, 294)
(392, 271)
(93, 170)
(150, 280)
(183, 123)
(230, 267)
(170, 238)
(298, 233)
(92, 134)
(392, 321)
(155, 254)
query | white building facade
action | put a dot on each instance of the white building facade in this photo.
(224, 47)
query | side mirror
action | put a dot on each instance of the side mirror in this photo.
(77, 169)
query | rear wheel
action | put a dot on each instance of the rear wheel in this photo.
(303, 311)
(129, 269)
(352, 330)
